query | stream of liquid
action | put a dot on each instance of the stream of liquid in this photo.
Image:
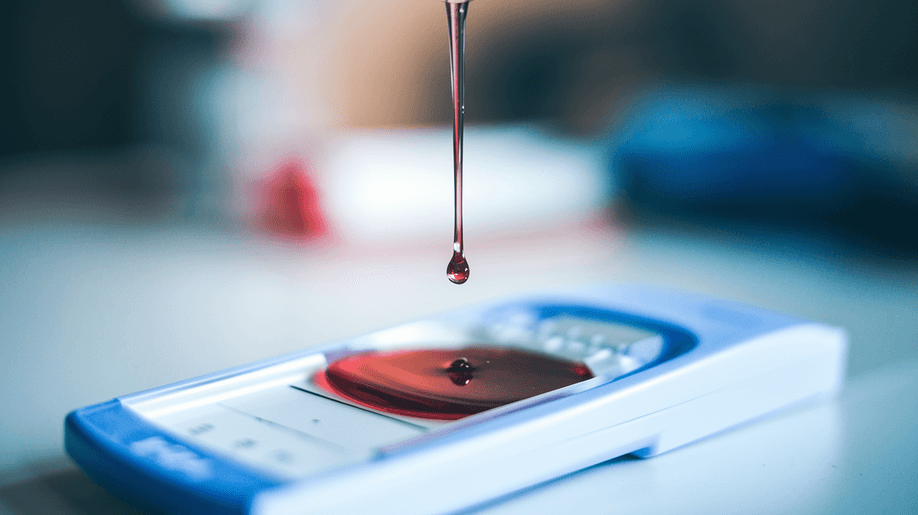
(458, 268)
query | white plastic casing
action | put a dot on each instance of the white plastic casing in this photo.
(714, 386)
(721, 364)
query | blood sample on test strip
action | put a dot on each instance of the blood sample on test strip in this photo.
(447, 384)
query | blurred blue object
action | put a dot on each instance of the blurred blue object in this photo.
(695, 149)
(807, 159)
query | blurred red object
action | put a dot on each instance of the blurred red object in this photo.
(290, 208)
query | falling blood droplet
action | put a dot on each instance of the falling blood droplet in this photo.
(458, 269)
(417, 383)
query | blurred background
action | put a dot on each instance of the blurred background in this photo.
(191, 185)
(800, 114)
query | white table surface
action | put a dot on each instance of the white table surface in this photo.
(93, 311)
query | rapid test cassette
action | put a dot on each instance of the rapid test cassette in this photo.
(454, 410)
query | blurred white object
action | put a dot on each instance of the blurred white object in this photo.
(398, 184)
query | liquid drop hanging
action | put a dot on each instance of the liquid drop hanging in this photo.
(458, 269)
